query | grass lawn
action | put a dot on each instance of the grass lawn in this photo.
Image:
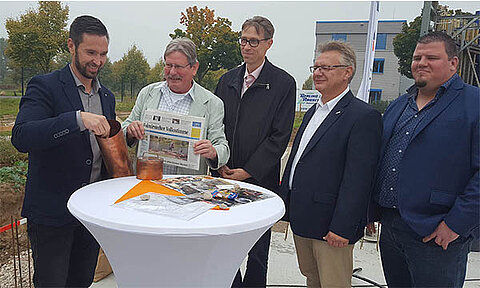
(298, 119)
(9, 106)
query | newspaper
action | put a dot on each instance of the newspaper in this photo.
(171, 136)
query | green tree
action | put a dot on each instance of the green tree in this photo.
(133, 69)
(308, 84)
(156, 73)
(211, 79)
(217, 44)
(36, 37)
(106, 76)
(404, 45)
(61, 59)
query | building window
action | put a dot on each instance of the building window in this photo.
(375, 95)
(339, 37)
(381, 42)
(378, 64)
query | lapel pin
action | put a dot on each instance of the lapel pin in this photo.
(338, 112)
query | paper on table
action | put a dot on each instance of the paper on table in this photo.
(172, 206)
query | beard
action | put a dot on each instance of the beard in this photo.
(83, 69)
(420, 83)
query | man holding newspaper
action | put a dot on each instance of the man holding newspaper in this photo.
(182, 96)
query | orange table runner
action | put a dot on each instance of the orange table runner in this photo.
(146, 186)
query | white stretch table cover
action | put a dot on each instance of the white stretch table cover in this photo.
(147, 250)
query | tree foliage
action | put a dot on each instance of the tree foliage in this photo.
(308, 84)
(211, 79)
(132, 69)
(217, 44)
(156, 73)
(404, 45)
(36, 37)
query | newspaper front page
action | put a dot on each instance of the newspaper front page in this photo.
(171, 136)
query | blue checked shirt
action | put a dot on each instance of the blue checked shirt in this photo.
(398, 143)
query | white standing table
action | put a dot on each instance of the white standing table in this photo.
(147, 250)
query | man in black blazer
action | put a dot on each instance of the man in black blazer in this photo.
(330, 173)
(259, 102)
(56, 125)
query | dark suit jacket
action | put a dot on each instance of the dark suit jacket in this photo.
(439, 178)
(59, 155)
(335, 175)
(258, 125)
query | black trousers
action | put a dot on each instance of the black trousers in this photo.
(256, 272)
(63, 256)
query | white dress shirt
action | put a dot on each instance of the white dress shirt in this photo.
(317, 119)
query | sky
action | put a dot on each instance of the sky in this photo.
(148, 23)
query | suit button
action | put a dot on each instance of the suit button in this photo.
(88, 162)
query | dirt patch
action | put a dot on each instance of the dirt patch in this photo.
(10, 206)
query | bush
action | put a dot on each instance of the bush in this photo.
(10, 155)
(16, 174)
(381, 106)
(125, 106)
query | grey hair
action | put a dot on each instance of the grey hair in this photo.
(348, 55)
(260, 23)
(185, 46)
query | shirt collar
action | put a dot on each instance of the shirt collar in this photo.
(330, 104)
(165, 89)
(95, 83)
(255, 72)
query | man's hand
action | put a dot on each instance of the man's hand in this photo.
(224, 170)
(371, 228)
(234, 174)
(335, 241)
(135, 130)
(443, 235)
(98, 124)
(205, 149)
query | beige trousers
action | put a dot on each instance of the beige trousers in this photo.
(323, 265)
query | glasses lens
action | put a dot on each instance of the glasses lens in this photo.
(254, 42)
(242, 41)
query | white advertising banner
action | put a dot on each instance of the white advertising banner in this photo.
(364, 89)
(306, 98)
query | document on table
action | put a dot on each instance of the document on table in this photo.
(179, 207)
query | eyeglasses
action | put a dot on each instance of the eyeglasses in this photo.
(170, 66)
(326, 67)
(252, 42)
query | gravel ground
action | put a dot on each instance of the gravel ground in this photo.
(7, 275)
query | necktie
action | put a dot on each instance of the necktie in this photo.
(249, 79)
